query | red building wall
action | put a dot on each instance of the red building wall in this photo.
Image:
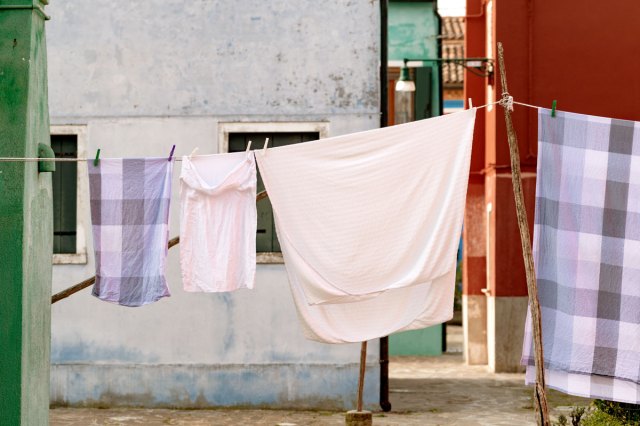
(474, 267)
(585, 54)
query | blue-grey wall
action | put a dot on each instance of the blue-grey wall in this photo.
(141, 76)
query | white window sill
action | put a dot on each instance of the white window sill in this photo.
(269, 257)
(70, 259)
(81, 258)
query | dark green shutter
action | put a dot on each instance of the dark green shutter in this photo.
(64, 194)
(266, 238)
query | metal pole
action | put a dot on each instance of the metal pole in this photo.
(384, 59)
(385, 404)
(542, 410)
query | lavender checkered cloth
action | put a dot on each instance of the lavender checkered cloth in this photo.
(587, 255)
(130, 215)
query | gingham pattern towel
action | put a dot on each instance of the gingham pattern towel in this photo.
(587, 255)
(130, 216)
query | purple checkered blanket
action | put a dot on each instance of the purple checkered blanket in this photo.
(130, 216)
(586, 249)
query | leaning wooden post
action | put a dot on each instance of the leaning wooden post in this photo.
(542, 410)
(359, 417)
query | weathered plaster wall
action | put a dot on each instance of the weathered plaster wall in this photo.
(25, 221)
(177, 57)
(145, 75)
(37, 240)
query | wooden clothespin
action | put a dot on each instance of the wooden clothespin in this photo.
(470, 103)
(173, 148)
(97, 159)
(553, 108)
(266, 142)
(249, 146)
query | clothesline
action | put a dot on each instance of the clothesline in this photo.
(60, 160)
(502, 102)
(339, 299)
(508, 103)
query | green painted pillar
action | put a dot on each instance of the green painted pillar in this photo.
(25, 217)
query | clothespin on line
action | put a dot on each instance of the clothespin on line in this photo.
(553, 108)
(249, 147)
(266, 142)
(193, 152)
(97, 159)
(470, 103)
(173, 148)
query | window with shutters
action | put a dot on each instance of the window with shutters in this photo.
(267, 245)
(68, 184)
(64, 194)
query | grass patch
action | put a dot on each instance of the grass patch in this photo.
(599, 418)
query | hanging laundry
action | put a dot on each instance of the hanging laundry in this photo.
(586, 249)
(130, 216)
(369, 225)
(218, 222)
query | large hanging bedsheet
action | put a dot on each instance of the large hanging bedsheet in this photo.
(369, 224)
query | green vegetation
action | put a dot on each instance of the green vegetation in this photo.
(602, 413)
(598, 418)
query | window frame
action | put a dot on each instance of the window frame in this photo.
(82, 196)
(225, 128)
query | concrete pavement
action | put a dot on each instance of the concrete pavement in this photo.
(424, 391)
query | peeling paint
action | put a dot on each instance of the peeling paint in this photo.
(326, 386)
(84, 351)
(249, 45)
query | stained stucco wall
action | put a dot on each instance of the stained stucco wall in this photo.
(25, 220)
(142, 76)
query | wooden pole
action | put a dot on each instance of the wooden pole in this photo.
(542, 410)
(359, 417)
(89, 281)
(363, 363)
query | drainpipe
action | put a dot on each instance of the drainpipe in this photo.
(441, 88)
(384, 59)
(384, 120)
(440, 112)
